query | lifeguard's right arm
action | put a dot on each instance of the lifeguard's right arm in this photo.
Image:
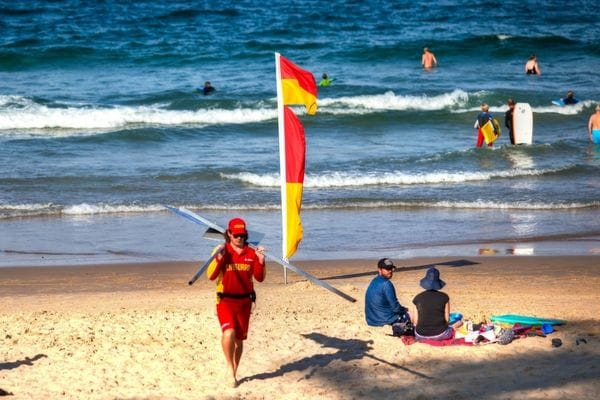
(214, 268)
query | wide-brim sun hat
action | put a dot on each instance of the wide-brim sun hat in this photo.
(432, 280)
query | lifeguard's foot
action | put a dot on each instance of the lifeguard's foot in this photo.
(230, 379)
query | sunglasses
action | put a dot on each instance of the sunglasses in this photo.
(240, 235)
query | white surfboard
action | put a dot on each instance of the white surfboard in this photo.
(523, 123)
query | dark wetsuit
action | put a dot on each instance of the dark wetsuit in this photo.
(531, 71)
(508, 122)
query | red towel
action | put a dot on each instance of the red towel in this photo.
(408, 340)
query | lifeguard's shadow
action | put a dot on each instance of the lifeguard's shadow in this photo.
(347, 350)
(18, 363)
(453, 263)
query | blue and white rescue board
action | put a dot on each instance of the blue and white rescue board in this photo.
(212, 227)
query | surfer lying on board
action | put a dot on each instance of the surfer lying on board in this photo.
(208, 88)
(482, 119)
(234, 266)
(594, 125)
(570, 99)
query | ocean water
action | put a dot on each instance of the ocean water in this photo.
(101, 124)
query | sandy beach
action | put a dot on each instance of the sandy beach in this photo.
(140, 332)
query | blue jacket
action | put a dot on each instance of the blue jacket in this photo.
(381, 304)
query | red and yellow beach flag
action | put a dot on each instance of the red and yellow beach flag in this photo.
(294, 86)
(298, 86)
(295, 154)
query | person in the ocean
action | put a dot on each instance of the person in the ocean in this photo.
(508, 119)
(208, 88)
(570, 99)
(428, 59)
(532, 67)
(483, 117)
(326, 81)
(594, 126)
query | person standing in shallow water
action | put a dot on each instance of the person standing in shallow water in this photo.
(234, 267)
(532, 67)
(428, 59)
(594, 125)
(483, 117)
(508, 119)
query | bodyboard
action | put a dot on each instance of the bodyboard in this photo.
(512, 319)
(489, 135)
(523, 123)
(558, 102)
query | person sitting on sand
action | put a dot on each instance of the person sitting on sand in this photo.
(433, 309)
(381, 304)
(235, 265)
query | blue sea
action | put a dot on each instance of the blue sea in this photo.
(101, 124)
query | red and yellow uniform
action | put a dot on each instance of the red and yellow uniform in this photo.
(235, 290)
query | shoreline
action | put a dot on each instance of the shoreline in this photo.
(139, 331)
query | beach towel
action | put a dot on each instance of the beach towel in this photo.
(408, 340)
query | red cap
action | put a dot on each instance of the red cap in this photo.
(237, 226)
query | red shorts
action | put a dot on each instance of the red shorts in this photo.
(235, 314)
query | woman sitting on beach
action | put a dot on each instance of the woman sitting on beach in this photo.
(433, 309)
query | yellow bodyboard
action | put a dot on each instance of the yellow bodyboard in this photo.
(488, 132)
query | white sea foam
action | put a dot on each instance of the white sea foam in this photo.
(88, 210)
(391, 101)
(19, 113)
(21, 116)
(348, 179)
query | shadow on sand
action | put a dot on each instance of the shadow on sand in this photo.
(18, 363)
(347, 350)
(453, 263)
(435, 378)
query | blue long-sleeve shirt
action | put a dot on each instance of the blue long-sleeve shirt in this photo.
(381, 304)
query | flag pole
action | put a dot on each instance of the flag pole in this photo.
(282, 170)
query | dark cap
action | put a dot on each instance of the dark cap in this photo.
(386, 263)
